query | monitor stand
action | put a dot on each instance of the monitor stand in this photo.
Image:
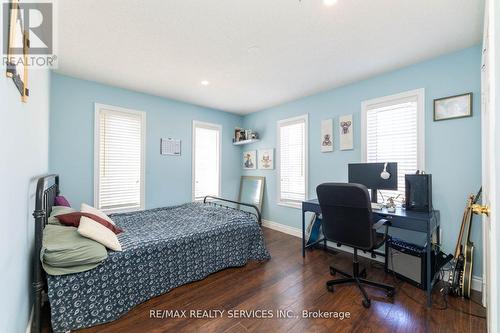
(375, 205)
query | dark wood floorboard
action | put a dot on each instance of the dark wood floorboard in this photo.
(289, 283)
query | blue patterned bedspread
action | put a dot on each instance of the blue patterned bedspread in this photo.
(162, 249)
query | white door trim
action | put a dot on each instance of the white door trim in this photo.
(212, 126)
(489, 138)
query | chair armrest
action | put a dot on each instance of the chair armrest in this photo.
(380, 223)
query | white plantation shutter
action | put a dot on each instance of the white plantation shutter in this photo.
(206, 148)
(292, 134)
(120, 183)
(392, 135)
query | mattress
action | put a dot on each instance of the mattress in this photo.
(163, 248)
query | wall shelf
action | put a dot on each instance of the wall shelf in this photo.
(245, 142)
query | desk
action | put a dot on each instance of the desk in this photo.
(424, 222)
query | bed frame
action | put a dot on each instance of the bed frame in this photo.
(46, 191)
(215, 201)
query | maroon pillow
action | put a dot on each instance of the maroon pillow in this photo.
(61, 201)
(73, 219)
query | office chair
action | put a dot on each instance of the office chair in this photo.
(347, 220)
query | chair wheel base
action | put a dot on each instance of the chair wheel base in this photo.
(366, 303)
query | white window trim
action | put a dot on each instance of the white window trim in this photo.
(97, 137)
(197, 123)
(420, 94)
(304, 117)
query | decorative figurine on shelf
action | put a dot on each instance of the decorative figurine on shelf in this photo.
(244, 134)
(237, 135)
(391, 204)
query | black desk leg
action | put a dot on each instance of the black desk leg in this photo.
(303, 234)
(438, 235)
(429, 278)
(324, 238)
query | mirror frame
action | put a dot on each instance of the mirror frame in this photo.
(261, 194)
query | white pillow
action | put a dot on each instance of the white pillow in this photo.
(84, 208)
(96, 231)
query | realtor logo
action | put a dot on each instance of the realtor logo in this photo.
(28, 33)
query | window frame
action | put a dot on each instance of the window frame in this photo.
(393, 99)
(207, 125)
(305, 118)
(97, 137)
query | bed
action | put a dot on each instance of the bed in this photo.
(163, 248)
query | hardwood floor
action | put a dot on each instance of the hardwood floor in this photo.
(289, 283)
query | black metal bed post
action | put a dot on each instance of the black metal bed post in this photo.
(46, 191)
(37, 283)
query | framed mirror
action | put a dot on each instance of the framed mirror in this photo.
(252, 190)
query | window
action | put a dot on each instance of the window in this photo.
(119, 159)
(393, 131)
(206, 159)
(292, 146)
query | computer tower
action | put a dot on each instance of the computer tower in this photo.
(418, 192)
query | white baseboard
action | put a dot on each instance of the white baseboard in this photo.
(477, 281)
(30, 320)
(282, 228)
(296, 232)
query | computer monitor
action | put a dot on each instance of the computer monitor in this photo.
(369, 174)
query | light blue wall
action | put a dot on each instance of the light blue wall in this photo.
(24, 143)
(168, 179)
(452, 148)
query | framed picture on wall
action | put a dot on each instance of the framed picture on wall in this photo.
(18, 49)
(345, 130)
(266, 159)
(250, 160)
(452, 107)
(326, 135)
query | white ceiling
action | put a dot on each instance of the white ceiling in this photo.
(255, 53)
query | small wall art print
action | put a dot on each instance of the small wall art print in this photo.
(249, 160)
(453, 107)
(326, 135)
(345, 130)
(266, 159)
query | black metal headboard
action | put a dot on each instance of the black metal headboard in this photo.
(46, 191)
